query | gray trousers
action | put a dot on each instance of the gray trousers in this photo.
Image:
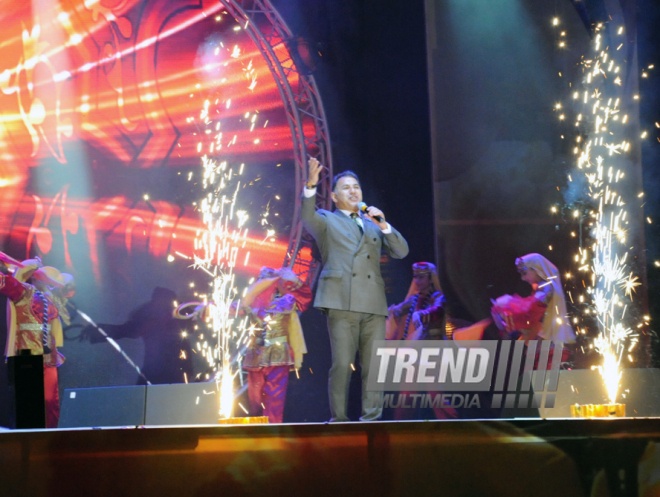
(350, 332)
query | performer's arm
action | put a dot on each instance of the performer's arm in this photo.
(395, 245)
(402, 308)
(432, 314)
(303, 296)
(313, 221)
(10, 286)
(314, 169)
(435, 311)
(544, 293)
(290, 283)
(285, 304)
(538, 307)
(521, 314)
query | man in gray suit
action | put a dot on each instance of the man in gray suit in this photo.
(351, 290)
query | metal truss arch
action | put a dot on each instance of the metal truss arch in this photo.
(304, 111)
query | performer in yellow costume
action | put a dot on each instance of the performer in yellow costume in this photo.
(33, 319)
(277, 343)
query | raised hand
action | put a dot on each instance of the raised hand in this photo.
(313, 172)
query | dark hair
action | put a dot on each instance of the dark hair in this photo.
(342, 175)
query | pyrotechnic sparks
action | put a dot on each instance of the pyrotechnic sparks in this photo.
(220, 246)
(604, 138)
(630, 283)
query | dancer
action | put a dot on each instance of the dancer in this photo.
(420, 317)
(33, 320)
(277, 343)
(351, 289)
(542, 315)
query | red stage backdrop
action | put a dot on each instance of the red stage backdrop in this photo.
(106, 110)
(94, 93)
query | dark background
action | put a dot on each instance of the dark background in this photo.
(649, 53)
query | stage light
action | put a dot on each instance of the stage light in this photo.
(305, 55)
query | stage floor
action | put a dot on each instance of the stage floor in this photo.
(480, 457)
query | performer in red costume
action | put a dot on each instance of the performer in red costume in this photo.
(277, 343)
(542, 315)
(33, 320)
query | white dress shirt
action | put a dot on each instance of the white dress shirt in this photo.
(310, 192)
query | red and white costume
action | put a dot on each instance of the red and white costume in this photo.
(25, 330)
(542, 315)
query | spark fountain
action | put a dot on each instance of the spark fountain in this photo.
(219, 247)
(602, 140)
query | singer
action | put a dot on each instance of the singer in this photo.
(351, 290)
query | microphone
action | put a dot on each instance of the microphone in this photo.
(363, 207)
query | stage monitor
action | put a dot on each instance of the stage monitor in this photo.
(101, 407)
(182, 404)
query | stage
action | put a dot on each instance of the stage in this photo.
(504, 457)
(156, 154)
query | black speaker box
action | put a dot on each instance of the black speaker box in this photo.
(26, 391)
(107, 406)
(182, 404)
(177, 404)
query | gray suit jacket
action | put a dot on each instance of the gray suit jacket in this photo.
(350, 279)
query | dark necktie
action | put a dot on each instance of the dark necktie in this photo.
(355, 218)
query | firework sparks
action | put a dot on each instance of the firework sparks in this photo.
(610, 283)
(218, 247)
(630, 283)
